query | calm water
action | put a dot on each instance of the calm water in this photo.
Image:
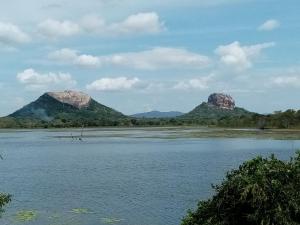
(117, 176)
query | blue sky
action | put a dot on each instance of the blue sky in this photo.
(137, 55)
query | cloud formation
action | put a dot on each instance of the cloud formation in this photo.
(113, 84)
(286, 81)
(54, 29)
(200, 83)
(269, 25)
(34, 80)
(70, 56)
(153, 59)
(141, 23)
(138, 23)
(240, 57)
(11, 34)
(159, 58)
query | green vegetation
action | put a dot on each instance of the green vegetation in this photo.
(263, 191)
(111, 220)
(47, 112)
(24, 216)
(210, 112)
(80, 211)
(289, 119)
(4, 199)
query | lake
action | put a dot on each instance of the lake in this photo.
(117, 176)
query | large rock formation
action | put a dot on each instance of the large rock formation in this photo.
(218, 106)
(71, 106)
(222, 101)
(74, 98)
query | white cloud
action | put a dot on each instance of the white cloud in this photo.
(159, 57)
(11, 34)
(74, 9)
(64, 55)
(286, 81)
(141, 23)
(240, 57)
(113, 84)
(269, 25)
(87, 61)
(93, 24)
(54, 29)
(71, 56)
(201, 83)
(156, 58)
(35, 80)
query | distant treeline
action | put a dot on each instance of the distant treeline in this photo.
(283, 120)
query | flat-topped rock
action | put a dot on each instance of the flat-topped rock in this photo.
(74, 98)
(221, 100)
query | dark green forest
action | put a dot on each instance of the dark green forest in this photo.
(289, 119)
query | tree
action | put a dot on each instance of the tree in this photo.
(263, 191)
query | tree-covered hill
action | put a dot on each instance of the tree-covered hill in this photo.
(76, 109)
(48, 111)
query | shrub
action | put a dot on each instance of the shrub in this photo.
(263, 191)
(4, 199)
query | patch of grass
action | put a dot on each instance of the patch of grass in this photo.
(25, 216)
(111, 220)
(80, 211)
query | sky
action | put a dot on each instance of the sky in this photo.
(137, 55)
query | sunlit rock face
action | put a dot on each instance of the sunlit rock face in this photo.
(221, 101)
(74, 98)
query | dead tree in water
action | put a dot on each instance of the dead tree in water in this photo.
(81, 134)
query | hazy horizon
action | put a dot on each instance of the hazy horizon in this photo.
(138, 56)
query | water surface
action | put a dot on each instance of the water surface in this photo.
(117, 176)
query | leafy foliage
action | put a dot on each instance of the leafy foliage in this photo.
(4, 199)
(263, 191)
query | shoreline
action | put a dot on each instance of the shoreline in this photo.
(168, 132)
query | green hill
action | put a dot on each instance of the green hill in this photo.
(64, 109)
(207, 111)
(76, 109)
(220, 110)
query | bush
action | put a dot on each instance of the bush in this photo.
(261, 192)
(4, 199)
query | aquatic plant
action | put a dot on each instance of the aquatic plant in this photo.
(80, 211)
(24, 216)
(263, 191)
(111, 220)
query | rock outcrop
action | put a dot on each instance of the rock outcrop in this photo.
(222, 101)
(77, 99)
(68, 108)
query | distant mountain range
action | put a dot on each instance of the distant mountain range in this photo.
(75, 109)
(158, 114)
